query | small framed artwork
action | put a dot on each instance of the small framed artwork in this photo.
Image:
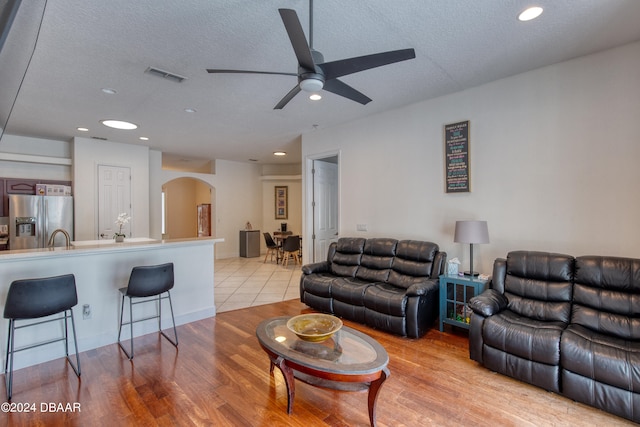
(282, 202)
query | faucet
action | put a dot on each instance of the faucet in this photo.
(53, 236)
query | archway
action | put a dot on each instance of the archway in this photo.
(181, 200)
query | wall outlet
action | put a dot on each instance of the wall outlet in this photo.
(86, 312)
(361, 227)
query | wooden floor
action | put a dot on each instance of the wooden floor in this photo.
(220, 376)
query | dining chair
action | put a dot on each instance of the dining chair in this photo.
(290, 248)
(272, 246)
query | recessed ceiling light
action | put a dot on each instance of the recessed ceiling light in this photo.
(190, 110)
(83, 129)
(315, 97)
(144, 138)
(119, 124)
(530, 13)
(279, 153)
(109, 91)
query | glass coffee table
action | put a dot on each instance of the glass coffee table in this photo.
(348, 361)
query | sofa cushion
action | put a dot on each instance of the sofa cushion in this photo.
(607, 296)
(387, 299)
(377, 258)
(349, 290)
(539, 285)
(346, 258)
(413, 262)
(318, 284)
(530, 339)
(604, 358)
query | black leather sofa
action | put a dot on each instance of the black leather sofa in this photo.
(384, 283)
(568, 325)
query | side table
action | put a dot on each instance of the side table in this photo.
(455, 293)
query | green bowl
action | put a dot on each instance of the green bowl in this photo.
(314, 327)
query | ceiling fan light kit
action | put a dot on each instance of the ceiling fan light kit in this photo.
(311, 85)
(314, 74)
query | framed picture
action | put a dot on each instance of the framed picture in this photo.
(456, 160)
(282, 202)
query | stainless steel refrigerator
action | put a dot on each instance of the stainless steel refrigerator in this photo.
(32, 219)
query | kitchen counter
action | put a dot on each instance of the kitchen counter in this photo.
(112, 241)
(90, 246)
(101, 268)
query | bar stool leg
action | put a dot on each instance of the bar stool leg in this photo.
(8, 366)
(76, 368)
(173, 320)
(129, 355)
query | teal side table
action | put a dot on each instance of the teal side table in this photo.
(455, 293)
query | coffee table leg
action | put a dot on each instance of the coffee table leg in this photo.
(289, 380)
(374, 388)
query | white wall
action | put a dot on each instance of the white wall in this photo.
(87, 155)
(155, 194)
(55, 153)
(554, 155)
(238, 199)
(294, 218)
(237, 187)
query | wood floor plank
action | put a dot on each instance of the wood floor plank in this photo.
(219, 376)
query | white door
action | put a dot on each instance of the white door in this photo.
(325, 207)
(114, 198)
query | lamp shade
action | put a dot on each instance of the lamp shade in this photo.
(471, 232)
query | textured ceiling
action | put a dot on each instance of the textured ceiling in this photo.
(84, 46)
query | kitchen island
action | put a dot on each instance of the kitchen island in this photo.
(100, 269)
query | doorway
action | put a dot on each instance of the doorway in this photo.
(183, 199)
(323, 187)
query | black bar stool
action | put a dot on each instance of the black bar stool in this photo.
(30, 299)
(146, 282)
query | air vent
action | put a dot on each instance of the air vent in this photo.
(99, 137)
(165, 74)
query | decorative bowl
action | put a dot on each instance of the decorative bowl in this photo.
(314, 327)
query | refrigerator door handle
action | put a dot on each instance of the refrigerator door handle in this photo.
(45, 223)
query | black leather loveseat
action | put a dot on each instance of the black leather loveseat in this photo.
(384, 283)
(569, 325)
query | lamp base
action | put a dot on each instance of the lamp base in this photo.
(471, 273)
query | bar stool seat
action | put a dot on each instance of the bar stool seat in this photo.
(30, 299)
(147, 284)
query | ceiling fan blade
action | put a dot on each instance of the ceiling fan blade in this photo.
(344, 67)
(288, 97)
(220, 71)
(297, 38)
(340, 88)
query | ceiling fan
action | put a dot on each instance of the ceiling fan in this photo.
(313, 73)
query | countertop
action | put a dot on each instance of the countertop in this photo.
(93, 246)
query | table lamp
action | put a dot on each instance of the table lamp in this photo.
(471, 232)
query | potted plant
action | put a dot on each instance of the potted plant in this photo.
(122, 219)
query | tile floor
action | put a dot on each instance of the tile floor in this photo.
(246, 282)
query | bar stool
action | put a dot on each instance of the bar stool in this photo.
(146, 282)
(30, 299)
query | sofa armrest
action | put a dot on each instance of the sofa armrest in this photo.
(317, 267)
(422, 288)
(488, 303)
